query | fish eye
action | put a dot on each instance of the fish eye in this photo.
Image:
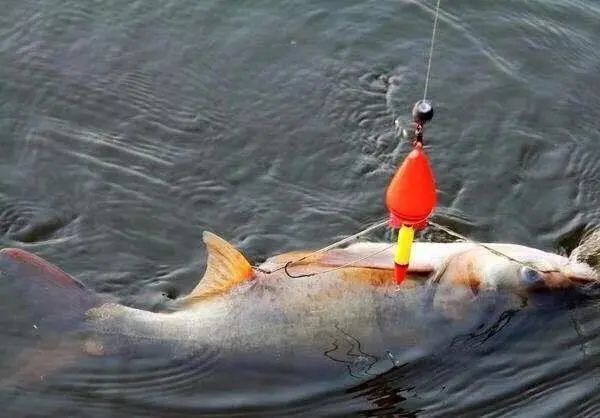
(530, 276)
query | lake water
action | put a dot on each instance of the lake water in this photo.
(128, 128)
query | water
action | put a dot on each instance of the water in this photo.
(128, 128)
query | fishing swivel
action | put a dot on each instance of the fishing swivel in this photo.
(422, 113)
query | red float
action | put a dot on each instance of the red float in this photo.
(411, 195)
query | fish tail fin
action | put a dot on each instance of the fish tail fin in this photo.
(42, 313)
(50, 299)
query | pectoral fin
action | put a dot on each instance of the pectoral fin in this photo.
(226, 268)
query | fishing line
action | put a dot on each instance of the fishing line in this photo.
(433, 32)
(289, 263)
(490, 249)
(336, 244)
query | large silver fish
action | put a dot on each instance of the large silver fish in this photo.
(236, 308)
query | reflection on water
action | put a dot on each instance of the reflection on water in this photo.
(128, 129)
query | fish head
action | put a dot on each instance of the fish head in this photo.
(515, 268)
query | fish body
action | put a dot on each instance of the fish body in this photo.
(239, 309)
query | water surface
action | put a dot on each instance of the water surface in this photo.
(128, 128)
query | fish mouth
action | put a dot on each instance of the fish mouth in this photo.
(583, 280)
(581, 274)
(562, 280)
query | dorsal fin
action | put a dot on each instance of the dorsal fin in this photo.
(226, 267)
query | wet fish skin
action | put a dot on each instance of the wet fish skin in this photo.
(237, 309)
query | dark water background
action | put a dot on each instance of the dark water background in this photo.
(128, 128)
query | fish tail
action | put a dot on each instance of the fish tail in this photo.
(41, 296)
(43, 315)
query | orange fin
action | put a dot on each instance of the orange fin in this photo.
(226, 268)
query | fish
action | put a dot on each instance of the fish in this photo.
(345, 295)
